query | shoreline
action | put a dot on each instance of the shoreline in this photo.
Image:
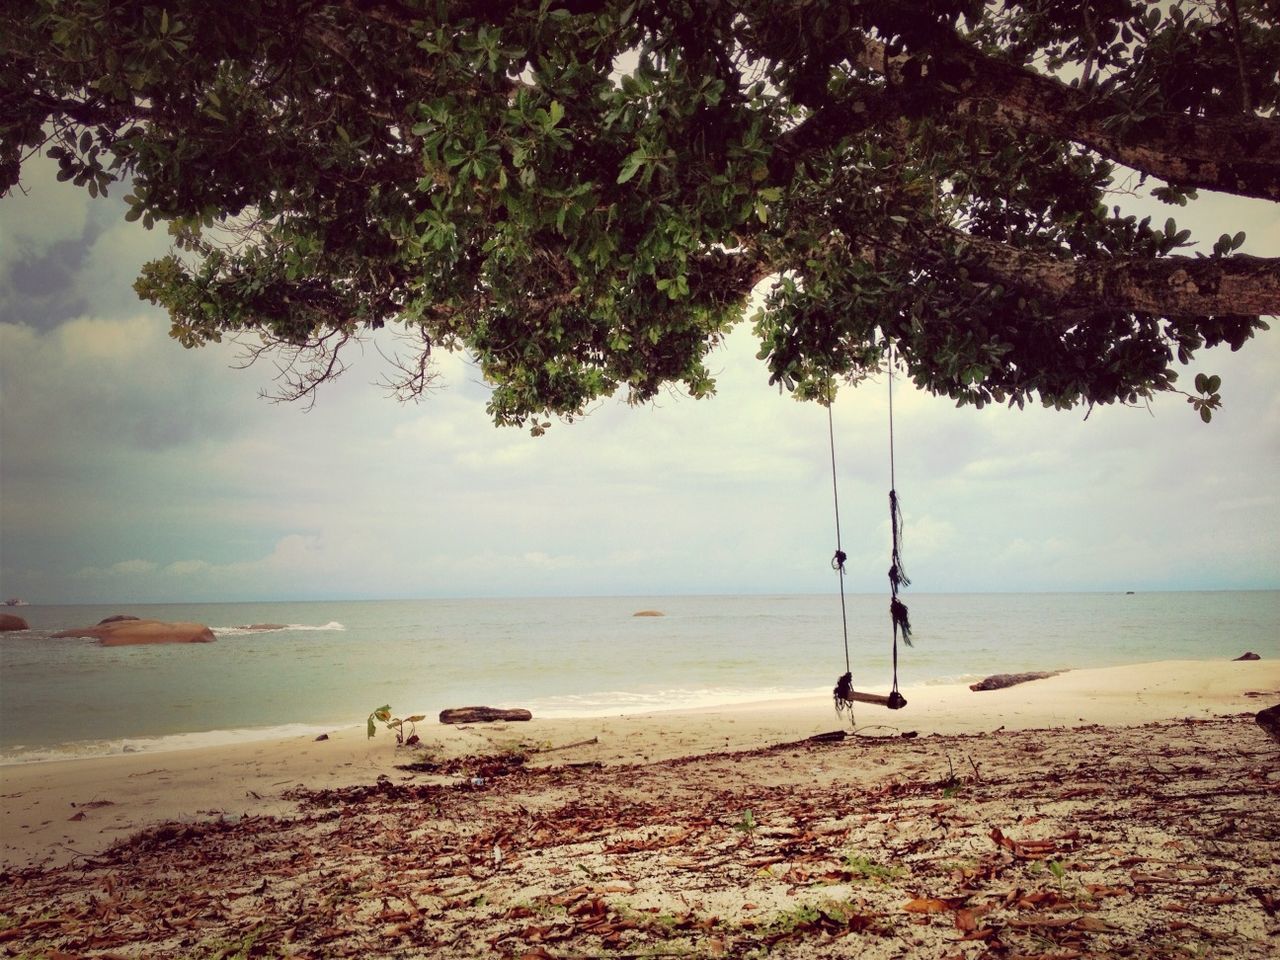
(56, 811)
(938, 691)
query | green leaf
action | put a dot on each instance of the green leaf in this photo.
(556, 112)
(629, 166)
(1202, 383)
(1215, 382)
(1206, 414)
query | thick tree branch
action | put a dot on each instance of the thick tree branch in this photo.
(1169, 286)
(1239, 155)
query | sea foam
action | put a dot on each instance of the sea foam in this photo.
(281, 628)
(86, 749)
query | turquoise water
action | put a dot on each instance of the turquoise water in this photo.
(559, 657)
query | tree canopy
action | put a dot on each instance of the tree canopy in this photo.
(583, 194)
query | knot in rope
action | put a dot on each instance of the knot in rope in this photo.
(837, 562)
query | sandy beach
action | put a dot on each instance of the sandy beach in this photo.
(1122, 810)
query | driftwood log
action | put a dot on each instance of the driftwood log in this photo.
(1269, 720)
(482, 715)
(1001, 680)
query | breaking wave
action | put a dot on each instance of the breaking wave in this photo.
(274, 628)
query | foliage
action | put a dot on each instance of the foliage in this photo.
(383, 715)
(581, 195)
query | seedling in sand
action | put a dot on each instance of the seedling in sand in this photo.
(383, 715)
(1059, 872)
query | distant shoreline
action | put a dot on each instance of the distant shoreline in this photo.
(248, 778)
(641, 598)
(945, 690)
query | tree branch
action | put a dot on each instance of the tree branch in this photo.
(1169, 286)
(1239, 155)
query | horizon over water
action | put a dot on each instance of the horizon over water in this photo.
(334, 661)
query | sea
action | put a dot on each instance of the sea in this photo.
(327, 665)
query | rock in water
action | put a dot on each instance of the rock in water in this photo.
(1001, 680)
(482, 715)
(130, 632)
(9, 622)
(118, 618)
(648, 613)
(1269, 720)
(1249, 656)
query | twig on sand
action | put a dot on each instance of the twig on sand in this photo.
(568, 746)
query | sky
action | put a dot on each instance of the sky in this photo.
(132, 470)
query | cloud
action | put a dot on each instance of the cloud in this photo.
(42, 212)
(123, 568)
(96, 385)
(46, 253)
(133, 469)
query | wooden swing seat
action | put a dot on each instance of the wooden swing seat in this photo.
(894, 701)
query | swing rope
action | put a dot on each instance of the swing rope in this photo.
(844, 694)
(897, 572)
(837, 562)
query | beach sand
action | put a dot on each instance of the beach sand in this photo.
(1129, 810)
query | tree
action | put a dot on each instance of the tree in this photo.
(583, 194)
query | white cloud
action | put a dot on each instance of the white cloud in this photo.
(131, 465)
(123, 568)
(39, 214)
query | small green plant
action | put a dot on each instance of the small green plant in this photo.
(868, 869)
(1059, 872)
(748, 824)
(788, 921)
(806, 916)
(383, 715)
(236, 949)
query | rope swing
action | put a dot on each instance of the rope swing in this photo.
(844, 694)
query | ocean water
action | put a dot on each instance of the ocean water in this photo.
(334, 662)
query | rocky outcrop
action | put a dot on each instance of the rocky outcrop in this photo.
(266, 626)
(1001, 680)
(1249, 656)
(123, 633)
(9, 622)
(117, 618)
(648, 613)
